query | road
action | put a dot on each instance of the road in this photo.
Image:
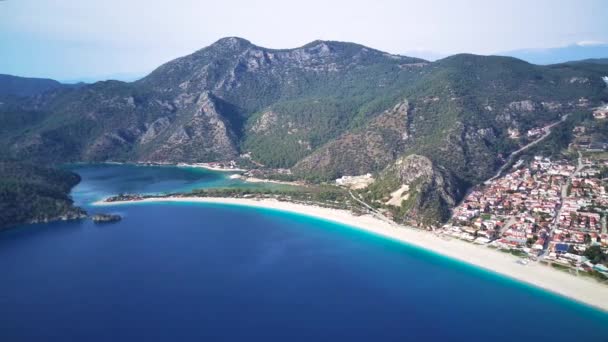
(374, 211)
(505, 226)
(381, 216)
(514, 153)
(563, 195)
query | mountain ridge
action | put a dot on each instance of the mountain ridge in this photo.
(558, 55)
(26, 86)
(326, 109)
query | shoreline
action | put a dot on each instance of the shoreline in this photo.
(262, 180)
(237, 173)
(209, 167)
(180, 165)
(587, 291)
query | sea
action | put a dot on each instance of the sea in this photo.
(211, 272)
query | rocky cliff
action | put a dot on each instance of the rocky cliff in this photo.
(414, 188)
(325, 110)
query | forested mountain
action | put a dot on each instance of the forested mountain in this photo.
(326, 109)
(22, 86)
(460, 109)
(31, 194)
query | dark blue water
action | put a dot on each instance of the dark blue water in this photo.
(210, 272)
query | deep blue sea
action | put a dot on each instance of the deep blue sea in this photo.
(207, 272)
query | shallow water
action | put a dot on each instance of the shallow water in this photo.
(103, 180)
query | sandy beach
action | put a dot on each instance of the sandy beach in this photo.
(210, 167)
(261, 180)
(580, 289)
(184, 165)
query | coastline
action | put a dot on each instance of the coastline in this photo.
(262, 180)
(587, 291)
(237, 173)
(209, 167)
(205, 166)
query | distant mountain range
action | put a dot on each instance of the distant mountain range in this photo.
(574, 52)
(22, 86)
(324, 110)
(125, 77)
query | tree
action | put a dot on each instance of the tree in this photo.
(596, 255)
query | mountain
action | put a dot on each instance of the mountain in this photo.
(459, 111)
(200, 107)
(21, 86)
(574, 52)
(415, 189)
(325, 110)
(123, 76)
(601, 61)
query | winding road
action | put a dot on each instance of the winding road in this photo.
(381, 216)
(514, 153)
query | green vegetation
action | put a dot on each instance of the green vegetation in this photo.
(22, 86)
(531, 241)
(561, 136)
(325, 110)
(34, 194)
(323, 194)
(427, 200)
(596, 255)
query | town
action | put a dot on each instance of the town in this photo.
(552, 211)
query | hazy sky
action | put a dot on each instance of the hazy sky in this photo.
(72, 39)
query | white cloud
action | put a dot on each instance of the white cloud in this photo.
(590, 43)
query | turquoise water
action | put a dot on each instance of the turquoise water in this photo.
(103, 180)
(179, 271)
